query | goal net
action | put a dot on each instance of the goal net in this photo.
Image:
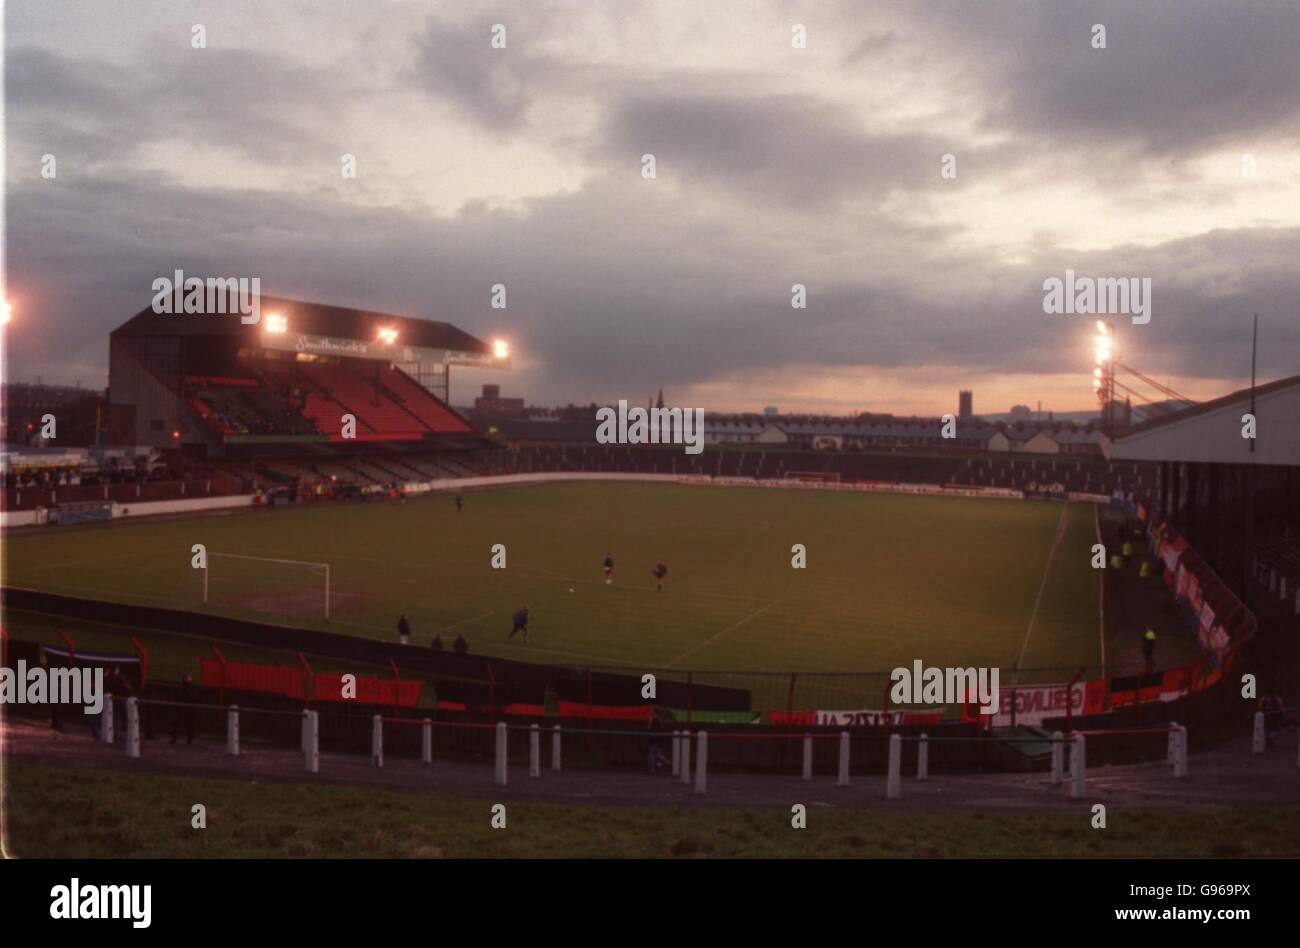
(262, 584)
(827, 478)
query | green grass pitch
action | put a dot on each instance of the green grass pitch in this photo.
(890, 578)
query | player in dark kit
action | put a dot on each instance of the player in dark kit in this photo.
(521, 624)
(660, 572)
(460, 502)
(609, 569)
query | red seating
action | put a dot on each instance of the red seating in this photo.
(435, 415)
(340, 388)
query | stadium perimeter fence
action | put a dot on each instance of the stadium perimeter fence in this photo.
(876, 719)
(690, 758)
(955, 747)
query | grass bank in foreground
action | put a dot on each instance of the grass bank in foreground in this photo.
(60, 813)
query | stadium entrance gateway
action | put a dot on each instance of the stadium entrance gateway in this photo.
(945, 686)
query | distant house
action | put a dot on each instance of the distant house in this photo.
(1084, 442)
(1039, 442)
(996, 440)
(731, 431)
(772, 434)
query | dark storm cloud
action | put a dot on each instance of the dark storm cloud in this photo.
(1176, 78)
(611, 310)
(782, 149)
(71, 110)
(493, 90)
(87, 112)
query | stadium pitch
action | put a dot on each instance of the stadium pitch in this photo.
(889, 578)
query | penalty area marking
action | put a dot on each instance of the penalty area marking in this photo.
(714, 638)
(1042, 586)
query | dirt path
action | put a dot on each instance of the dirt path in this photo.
(1224, 778)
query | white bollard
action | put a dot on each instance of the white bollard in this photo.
(315, 741)
(311, 741)
(923, 759)
(677, 753)
(686, 757)
(534, 751)
(555, 748)
(106, 720)
(132, 727)
(1078, 767)
(807, 757)
(1258, 742)
(377, 740)
(701, 761)
(1058, 757)
(232, 730)
(499, 776)
(426, 741)
(1180, 762)
(843, 779)
(894, 782)
(306, 734)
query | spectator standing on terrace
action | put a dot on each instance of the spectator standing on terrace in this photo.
(1149, 649)
(404, 630)
(436, 644)
(185, 715)
(461, 647)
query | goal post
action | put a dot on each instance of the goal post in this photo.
(266, 584)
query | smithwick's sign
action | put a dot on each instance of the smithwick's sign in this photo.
(354, 347)
(1034, 704)
(429, 358)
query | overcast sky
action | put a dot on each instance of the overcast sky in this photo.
(1173, 154)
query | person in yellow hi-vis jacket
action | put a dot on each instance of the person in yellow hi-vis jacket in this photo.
(1149, 649)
